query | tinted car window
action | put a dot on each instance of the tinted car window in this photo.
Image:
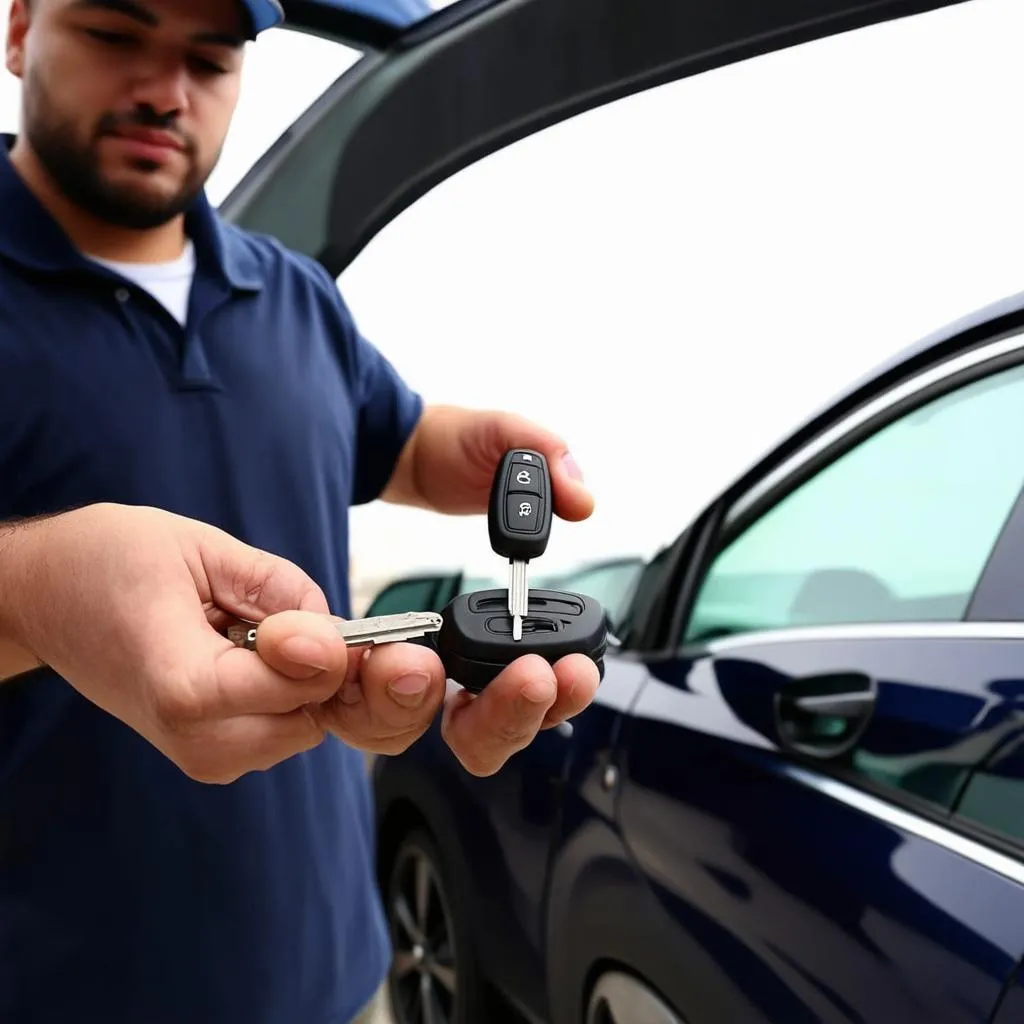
(994, 797)
(897, 529)
(610, 585)
(417, 595)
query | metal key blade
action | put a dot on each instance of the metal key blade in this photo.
(389, 629)
(378, 629)
(518, 596)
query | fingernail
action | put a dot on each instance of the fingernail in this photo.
(572, 467)
(351, 692)
(304, 651)
(409, 690)
(538, 691)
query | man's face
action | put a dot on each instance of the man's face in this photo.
(126, 103)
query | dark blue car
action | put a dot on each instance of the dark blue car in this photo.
(799, 795)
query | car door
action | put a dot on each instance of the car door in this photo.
(992, 802)
(797, 771)
(443, 84)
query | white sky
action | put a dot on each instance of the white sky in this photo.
(675, 280)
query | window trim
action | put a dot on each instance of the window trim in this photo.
(732, 514)
(992, 356)
(952, 630)
(949, 832)
(997, 596)
(1012, 743)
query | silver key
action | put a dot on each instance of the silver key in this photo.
(378, 629)
(518, 596)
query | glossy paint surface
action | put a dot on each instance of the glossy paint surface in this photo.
(671, 836)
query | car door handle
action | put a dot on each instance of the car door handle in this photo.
(837, 705)
(824, 715)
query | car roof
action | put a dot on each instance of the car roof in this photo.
(944, 342)
(933, 342)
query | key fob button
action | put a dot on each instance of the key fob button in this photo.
(526, 458)
(527, 478)
(522, 512)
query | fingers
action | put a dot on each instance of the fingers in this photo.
(573, 502)
(485, 731)
(578, 680)
(497, 433)
(222, 751)
(389, 698)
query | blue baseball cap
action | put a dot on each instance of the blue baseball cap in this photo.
(263, 14)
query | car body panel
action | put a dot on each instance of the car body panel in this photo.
(741, 878)
(803, 906)
(497, 832)
(1011, 1009)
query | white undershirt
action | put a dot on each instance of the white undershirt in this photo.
(168, 283)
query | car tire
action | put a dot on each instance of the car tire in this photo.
(434, 976)
(620, 998)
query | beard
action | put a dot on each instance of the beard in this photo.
(75, 166)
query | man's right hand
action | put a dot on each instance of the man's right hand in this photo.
(129, 605)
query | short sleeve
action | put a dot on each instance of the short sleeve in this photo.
(387, 409)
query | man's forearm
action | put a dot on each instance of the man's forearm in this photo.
(15, 657)
(403, 487)
(446, 464)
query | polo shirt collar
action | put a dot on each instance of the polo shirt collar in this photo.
(30, 236)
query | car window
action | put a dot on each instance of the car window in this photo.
(413, 595)
(897, 529)
(610, 585)
(639, 609)
(994, 796)
(473, 583)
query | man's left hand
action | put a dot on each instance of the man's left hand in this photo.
(449, 463)
(448, 466)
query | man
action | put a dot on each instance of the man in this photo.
(185, 826)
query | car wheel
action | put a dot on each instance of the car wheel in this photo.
(620, 998)
(434, 978)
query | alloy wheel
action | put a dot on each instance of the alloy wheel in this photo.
(423, 972)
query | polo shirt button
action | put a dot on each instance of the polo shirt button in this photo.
(122, 295)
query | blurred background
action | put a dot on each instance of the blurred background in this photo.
(675, 280)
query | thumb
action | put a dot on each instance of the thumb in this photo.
(301, 644)
(573, 500)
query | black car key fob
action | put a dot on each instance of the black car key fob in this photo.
(475, 640)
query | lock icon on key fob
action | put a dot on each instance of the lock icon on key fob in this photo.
(485, 631)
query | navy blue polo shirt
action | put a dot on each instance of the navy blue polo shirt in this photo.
(128, 892)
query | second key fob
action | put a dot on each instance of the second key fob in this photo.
(475, 641)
